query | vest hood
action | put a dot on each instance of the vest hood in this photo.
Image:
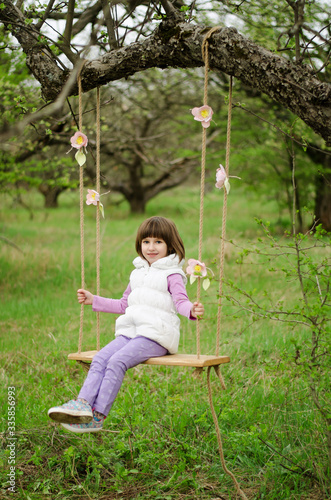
(165, 263)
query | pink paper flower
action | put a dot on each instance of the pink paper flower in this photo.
(220, 177)
(196, 268)
(79, 140)
(203, 114)
(92, 197)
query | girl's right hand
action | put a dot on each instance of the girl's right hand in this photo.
(84, 297)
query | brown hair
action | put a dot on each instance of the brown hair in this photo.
(165, 229)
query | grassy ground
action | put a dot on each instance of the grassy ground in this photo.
(159, 441)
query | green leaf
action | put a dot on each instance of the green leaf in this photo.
(192, 279)
(80, 157)
(206, 283)
(101, 209)
(227, 185)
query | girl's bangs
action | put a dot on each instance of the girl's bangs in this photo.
(153, 229)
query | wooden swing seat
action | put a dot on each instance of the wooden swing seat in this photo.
(169, 360)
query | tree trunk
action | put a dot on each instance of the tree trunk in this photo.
(137, 205)
(323, 200)
(296, 194)
(51, 195)
(322, 187)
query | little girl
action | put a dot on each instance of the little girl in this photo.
(148, 325)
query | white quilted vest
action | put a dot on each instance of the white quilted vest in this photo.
(151, 312)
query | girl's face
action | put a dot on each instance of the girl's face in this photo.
(153, 249)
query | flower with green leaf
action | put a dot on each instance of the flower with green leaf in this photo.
(196, 270)
(79, 141)
(222, 180)
(93, 198)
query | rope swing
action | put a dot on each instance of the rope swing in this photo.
(197, 360)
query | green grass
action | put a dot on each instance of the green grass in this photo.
(159, 441)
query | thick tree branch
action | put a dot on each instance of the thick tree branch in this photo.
(179, 45)
(168, 7)
(39, 58)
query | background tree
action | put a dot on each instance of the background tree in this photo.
(150, 142)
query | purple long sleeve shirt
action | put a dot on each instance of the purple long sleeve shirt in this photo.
(176, 289)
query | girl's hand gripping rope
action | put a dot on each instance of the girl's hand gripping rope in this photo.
(84, 297)
(197, 310)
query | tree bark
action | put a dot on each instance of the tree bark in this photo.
(137, 205)
(323, 200)
(176, 43)
(322, 187)
(51, 195)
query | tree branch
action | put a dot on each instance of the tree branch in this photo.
(69, 22)
(46, 111)
(109, 24)
(168, 7)
(45, 15)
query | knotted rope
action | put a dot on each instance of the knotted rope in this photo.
(81, 206)
(205, 57)
(81, 202)
(225, 198)
(203, 172)
(219, 440)
(98, 210)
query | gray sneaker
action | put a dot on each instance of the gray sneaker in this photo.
(94, 426)
(73, 412)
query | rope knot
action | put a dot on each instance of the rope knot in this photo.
(204, 46)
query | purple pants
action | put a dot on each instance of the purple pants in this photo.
(108, 368)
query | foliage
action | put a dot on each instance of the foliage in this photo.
(13, 69)
(299, 30)
(302, 263)
(28, 160)
(150, 142)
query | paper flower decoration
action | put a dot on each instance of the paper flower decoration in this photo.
(222, 179)
(93, 198)
(197, 269)
(79, 140)
(203, 114)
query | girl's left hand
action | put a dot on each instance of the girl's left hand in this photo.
(197, 310)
